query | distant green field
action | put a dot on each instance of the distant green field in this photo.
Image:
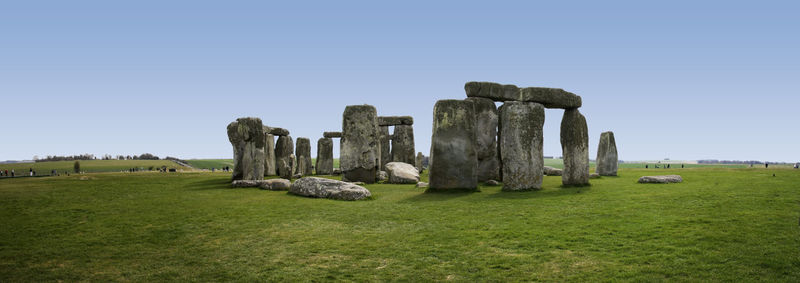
(44, 168)
(219, 163)
(720, 224)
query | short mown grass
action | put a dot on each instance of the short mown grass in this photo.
(718, 225)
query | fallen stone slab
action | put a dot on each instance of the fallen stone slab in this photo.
(246, 183)
(422, 185)
(395, 120)
(550, 97)
(326, 188)
(493, 183)
(493, 91)
(278, 131)
(332, 134)
(402, 173)
(594, 176)
(661, 179)
(552, 171)
(275, 184)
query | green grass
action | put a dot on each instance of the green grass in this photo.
(44, 168)
(210, 163)
(720, 224)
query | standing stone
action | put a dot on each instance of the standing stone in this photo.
(453, 159)
(418, 163)
(247, 138)
(607, 155)
(269, 153)
(575, 148)
(284, 149)
(521, 145)
(303, 153)
(403, 144)
(324, 163)
(360, 158)
(486, 130)
(385, 138)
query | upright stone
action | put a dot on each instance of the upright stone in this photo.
(303, 154)
(324, 163)
(385, 139)
(575, 147)
(247, 138)
(486, 119)
(269, 153)
(453, 159)
(607, 159)
(284, 149)
(419, 160)
(360, 158)
(521, 145)
(403, 144)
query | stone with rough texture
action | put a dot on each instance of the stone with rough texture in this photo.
(552, 171)
(360, 158)
(275, 185)
(395, 120)
(453, 158)
(402, 173)
(418, 162)
(403, 144)
(550, 97)
(385, 140)
(486, 131)
(521, 145)
(303, 154)
(269, 153)
(284, 150)
(422, 185)
(661, 179)
(327, 188)
(247, 138)
(607, 160)
(594, 176)
(337, 171)
(246, 183)
(493, 91)
(492, 183)
(575, 148)
(278, 131)
(332, 134)
(324, 162)
(383, 176)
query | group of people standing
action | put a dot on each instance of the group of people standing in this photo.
(5, 173)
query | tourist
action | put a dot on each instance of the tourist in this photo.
(681, 166)
(12, 173)
(645, 166)
(667, 165)
(766, 165)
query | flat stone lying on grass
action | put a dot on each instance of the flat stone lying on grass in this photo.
(661, 179)
(275, 184)
(594, 176)
(422, 185)
(552, 171)
(246, 183)
(493, 183)
(402, 173)
(327, 188)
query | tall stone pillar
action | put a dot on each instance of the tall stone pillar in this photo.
(453, 158)
(521, 145)
(324, 163)
(575, 147)
(269, 153)
(360, 158)
(403, 144)
(247, 138)
(386, 155)
(607, 159)
(284, 150)
(303, 154)
(486, 119)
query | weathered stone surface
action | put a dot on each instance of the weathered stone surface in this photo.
(360, 158)
(246, 183)
(575, 147)
(383, 176)
(327, 188)
(492, 183)
(337, 171)
(332, 134)
(607, 160)
(284, 150)
(403, 144)
(493, 91)
(395, 120)
(324, 163)
(552, 171)
(422, 185)
(269, 153)
(550, 97)
(303, 155)
(418, 162)
(275, 131)
(486, 121)
(275, 185)
(661, 179)
(385, 140)
(453, 158)
(594, 176)
(247, 138)
(521, 145)
(402, 173)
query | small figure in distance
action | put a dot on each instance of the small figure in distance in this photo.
(766, 165)
(645, 166)
(667, 165)
(681, 166)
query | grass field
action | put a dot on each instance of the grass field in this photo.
(44, 168)
(719, 225)
(219, 163)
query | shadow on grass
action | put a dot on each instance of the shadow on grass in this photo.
(212, 184)
(440, 195)
(556, 192)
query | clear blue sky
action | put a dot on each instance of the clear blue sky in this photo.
(676, 79)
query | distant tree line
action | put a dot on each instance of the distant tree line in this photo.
(144, 156)
(714, 161)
